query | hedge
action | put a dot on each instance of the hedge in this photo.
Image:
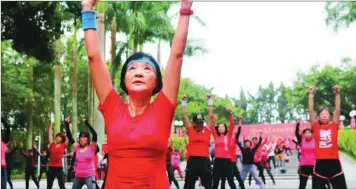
(347, 141)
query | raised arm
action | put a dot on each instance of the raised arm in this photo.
(259, 143)
(231, 122)
(238, 134)
(93, 132)
(211, 118)
(37, 152)
(337, 111)
(98, 70)
(22, 151)
(173, 70)
(68, 131)
(50, 133)
(237, 138)
(312, 113)
(6, 137)
(264, 142)
(184, 112)
(299, 138)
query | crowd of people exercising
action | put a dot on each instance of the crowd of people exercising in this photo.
(138, 131)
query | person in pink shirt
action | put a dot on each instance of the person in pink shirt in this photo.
(85, 152)
(176, 157)
(257, 159)
(306, 142)
(222, 163)
(4, 141)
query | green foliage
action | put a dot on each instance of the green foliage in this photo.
(324, 78)
(33, 26)
(179, 144)
(340, 14)
(347, 141)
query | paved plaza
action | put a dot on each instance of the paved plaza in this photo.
(288, 180)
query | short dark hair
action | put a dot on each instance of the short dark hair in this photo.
(135, 56)
(61, 134)
(322, 109)
(247, 141)
(86, 135)
(307, 129)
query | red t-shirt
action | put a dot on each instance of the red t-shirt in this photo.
(56, 155)
(326, 141)
(232, 149)
(199, 142)
(137, 146)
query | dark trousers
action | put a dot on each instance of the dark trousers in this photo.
(223, 169)
(237, 174)
(3, 177)
(328, 171)
(43, 169)
(30, 172)
(198, 167)
(268, 169)
(8, 171)
(171, 175)
(53, 173)
(273, 159)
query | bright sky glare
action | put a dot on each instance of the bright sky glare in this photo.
(253, 43)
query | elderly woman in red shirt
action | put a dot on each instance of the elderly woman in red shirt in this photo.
(137, 131)
(327, 166)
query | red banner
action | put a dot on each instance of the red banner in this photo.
(273, 131)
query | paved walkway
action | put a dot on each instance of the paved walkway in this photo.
(283, 181)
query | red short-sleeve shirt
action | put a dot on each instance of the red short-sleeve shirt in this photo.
(137, 145)
(56, 154)
(326, 141)
(199, 142)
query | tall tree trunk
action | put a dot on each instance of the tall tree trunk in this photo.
(30, 108)
(57, 89)
(113, 46)
(159, 52)
(74, 118)
(57, 98)
(99, 119)
(141, 47)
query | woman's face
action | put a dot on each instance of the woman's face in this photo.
(324, 117)
(199, 126)
(247, 144)
(221, 128)
(83, 141)
(307, 134)
(140, 78)
(58, 139)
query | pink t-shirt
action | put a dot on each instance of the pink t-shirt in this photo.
(84, 161)
(258, 154)
(3, 154)
(176, 158)
(222, 142)
(307, 148)
(137, 145)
